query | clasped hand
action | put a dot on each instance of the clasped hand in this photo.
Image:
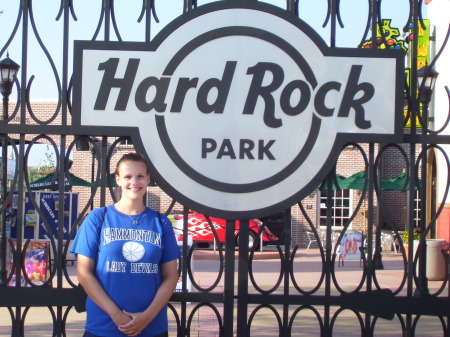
(132, 324)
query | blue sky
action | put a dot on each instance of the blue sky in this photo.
(127, 13)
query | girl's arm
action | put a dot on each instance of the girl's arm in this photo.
(93, 288)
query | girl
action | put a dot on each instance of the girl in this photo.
(127, 260)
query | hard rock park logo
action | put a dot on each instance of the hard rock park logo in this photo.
(243, 110)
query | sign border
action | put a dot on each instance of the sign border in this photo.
(133, 132)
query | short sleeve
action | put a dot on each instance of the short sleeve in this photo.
(87, 240)
(170, 245)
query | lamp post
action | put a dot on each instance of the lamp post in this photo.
(8, 71)
(426, 78)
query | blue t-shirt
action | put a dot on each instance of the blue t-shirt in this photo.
(128, 259)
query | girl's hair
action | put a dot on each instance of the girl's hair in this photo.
(134, 156)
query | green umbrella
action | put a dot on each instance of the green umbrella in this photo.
(396, 183)
(399, 182)
(46, 182)
(340, 180)
(355, 181)
(387, 185)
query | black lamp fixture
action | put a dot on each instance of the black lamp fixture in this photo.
(83, 144)
(426, 78)
(8, 70)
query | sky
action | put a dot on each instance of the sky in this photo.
(127, 13)
(49, 31)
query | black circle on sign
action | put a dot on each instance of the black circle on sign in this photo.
(288, 169)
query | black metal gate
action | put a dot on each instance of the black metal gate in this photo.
(235, 302)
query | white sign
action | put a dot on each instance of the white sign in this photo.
(241, 111)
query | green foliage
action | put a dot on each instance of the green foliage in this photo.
(45, 166)
(415, 237)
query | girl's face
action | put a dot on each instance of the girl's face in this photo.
(133, 179)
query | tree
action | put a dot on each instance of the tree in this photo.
(44, 167)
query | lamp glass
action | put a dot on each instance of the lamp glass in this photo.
(430, 80)
(8, 69)
(5, 75)
(428, 85)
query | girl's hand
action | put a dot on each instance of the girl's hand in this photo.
(135, 326)
(121, 318)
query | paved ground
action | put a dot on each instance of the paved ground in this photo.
(266, 269)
